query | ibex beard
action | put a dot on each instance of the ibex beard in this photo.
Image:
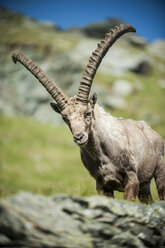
(121, 154)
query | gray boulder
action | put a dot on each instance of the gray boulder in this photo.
(28, 220)
(119, 61)
(136, 40)
(20, 92)
(114, 102)
(119, 90)
(122, 88)
(98, 30)
(157, 49)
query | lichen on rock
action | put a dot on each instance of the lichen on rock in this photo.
(28, 220)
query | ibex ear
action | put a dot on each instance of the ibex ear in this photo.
(93, 100)
(55, 107)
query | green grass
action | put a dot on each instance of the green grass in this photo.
(147, 103)
(42, 159)
(21, 31)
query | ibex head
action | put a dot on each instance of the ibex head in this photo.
(77, 112)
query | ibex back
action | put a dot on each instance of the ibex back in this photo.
(120, 154)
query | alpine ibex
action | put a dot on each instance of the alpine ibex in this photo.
(121, 154)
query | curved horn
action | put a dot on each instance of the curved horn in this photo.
(51, 87)
(96, 58)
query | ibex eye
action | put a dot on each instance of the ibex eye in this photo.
(88, 114)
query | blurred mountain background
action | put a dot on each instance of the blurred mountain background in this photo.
(36, 149)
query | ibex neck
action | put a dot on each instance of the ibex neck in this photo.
(94, 147)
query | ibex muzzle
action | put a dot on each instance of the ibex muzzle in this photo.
(120, 154)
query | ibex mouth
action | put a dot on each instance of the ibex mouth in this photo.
(81, 141)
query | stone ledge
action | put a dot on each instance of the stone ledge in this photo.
(28, 220)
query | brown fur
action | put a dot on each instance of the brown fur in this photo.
(121, 154)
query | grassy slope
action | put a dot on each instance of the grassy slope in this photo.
(18, 30)
(146, 103)
(42, 159)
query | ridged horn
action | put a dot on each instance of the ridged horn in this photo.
(96, 58)
(55, 91)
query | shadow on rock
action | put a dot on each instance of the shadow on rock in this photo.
(28, 220)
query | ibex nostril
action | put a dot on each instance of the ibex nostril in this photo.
(78, 137)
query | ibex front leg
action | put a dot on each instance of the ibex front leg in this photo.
(101, 189)
(131, 187)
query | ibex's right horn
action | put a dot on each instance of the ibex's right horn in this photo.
(96, 58)
(51, 87)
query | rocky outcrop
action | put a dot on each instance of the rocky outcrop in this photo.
(118, 62)
(28, 220)
(63, 56)
(98, 29)
(20, 92)
(157, 49)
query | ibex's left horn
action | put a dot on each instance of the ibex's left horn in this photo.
(96, 58)
(51, 87)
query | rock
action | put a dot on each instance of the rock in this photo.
(136, 40)
(44, 113)
(98, 29)
(157, 49)
(143, 65)
(114, 102)
(162, 83)
(22, 94)
(28, 220)
(119, 61)
(121, 88)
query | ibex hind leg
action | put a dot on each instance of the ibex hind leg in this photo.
(160, 178)
(144, 194)
(132, 186)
